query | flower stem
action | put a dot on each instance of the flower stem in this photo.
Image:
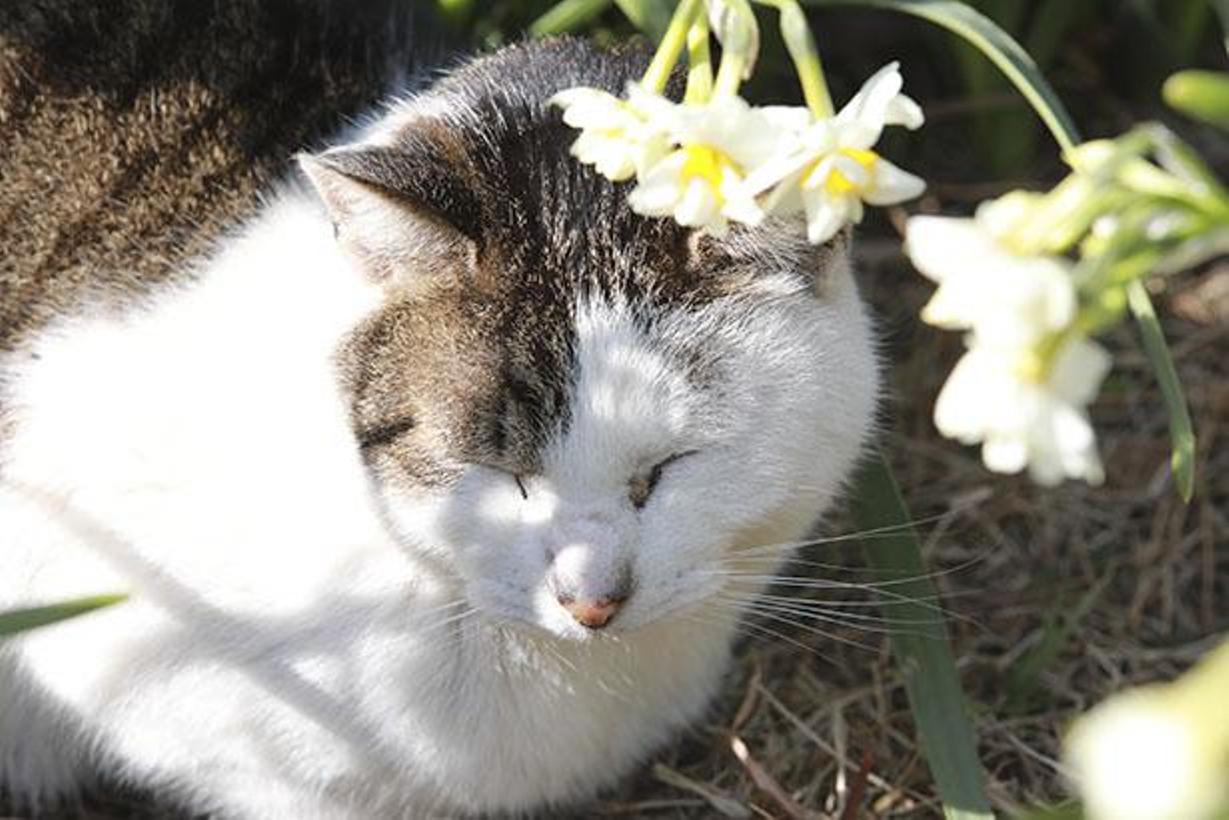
(729, 74)
(699, 66)
(670, 47)
(804, 52)
(734, 24)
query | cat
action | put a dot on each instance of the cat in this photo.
(430, 485)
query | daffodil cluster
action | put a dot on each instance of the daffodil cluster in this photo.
(713, 158)
(1029, 279)
(1032, 276)
(1021, 388)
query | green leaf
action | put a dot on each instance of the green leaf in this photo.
(1203, 95)
(652, 17)
(1221, 7)
(21, 620)
(566, 16)
(997, 45)
(1025, 675)
(923, 653)
(1180, 430)
(1064, 811)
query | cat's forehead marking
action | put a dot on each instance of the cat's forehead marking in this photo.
(484, 355)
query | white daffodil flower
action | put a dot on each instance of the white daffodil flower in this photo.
(619, 137)
(702, 183)
(1026, 413)
(831, 168)
(1013, 392)
(1009, 300)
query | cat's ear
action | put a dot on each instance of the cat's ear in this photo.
(398, 214)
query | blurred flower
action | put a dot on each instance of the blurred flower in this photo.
(1157, 752)
(1027, 412)
(1022, 387)
(620, 138)
(1008, 299)
(831, 169)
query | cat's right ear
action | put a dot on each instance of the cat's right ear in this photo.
(398, 215)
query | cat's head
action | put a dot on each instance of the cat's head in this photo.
(578, 413)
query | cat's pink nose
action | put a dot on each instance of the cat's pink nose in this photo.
(593, 614)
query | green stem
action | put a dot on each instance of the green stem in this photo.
(567, 16)
(804, 52)
(671, 47)
(699, 66)
(730, 74)
(738, 34)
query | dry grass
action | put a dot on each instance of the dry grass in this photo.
(1059, 597)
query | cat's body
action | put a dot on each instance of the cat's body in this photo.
(367, 492)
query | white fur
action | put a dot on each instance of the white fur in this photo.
(283, 653)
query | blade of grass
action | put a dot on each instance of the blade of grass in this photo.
(1189, 20)
(1025, 676)
(14, 621)
(924, 655)
(1182, 461)
(1221, 7)
(568, 15)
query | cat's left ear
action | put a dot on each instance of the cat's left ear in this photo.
(397, 213)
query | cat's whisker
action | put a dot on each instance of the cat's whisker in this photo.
(760, 632)
(777, 560)
(812, 582)
(801, 625)
(453, 619)
(836, 608)
(848, 620)
(887, 530)
(891, 597)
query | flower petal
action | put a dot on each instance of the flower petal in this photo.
(892, 185)
(698, 206)
(903, 110)
(861, 120)
(825, 217)
(1005, 454)
(944, 246)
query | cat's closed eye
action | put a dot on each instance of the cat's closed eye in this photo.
(641, 487)
(384, 433)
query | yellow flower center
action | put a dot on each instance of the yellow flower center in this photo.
(1031, 367)
(837, 184)
(1034, 366)
(707, 163)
